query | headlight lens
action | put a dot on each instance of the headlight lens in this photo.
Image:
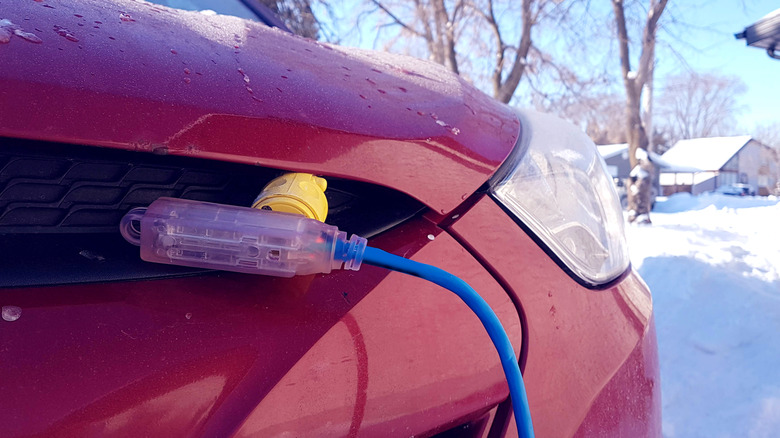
(557, 184)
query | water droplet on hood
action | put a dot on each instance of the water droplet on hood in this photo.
(11, 313)
(5, 35)
(244, 76)
(249, 90)
(65, 33)
(31, 37)
(124, 16)
(7, 28)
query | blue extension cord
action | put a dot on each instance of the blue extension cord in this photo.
(495, 330)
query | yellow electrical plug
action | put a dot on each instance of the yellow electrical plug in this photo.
(299, 193)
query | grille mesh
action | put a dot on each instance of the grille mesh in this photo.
(77, 189)
(60, 207)
(56, 188)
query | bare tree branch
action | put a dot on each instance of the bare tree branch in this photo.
(700, 105)
(500, 48)
(507, 89)
(622, 36)
(647, 56)
(397, 20)
(445, 25)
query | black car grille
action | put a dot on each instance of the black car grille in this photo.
(76, 189)
(60, 206)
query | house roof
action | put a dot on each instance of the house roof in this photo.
(703, 154)
(610, 150)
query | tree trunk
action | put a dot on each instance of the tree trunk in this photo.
(507, 89)
(647, 108)
(640, 181)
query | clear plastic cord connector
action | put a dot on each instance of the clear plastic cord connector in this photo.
(240, 239)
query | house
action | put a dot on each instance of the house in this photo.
(616, 157)
(619, 167)
(703, 164)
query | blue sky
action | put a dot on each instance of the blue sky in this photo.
(709, 45)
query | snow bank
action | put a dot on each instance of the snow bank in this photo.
(713, 264)
(685, 201)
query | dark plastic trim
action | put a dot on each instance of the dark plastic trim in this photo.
(54, 254)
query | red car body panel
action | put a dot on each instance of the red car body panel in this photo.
(350, 353)
(134, 75)
(328, 355)
(579, 340)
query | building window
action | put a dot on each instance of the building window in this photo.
(726, 178)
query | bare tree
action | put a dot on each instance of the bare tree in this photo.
(434, 22)
(297, 15)
(695, 105)
(634, 81)
(768, 134)
(599, 114)
(443, 25)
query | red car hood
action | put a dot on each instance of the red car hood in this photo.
(138, 76)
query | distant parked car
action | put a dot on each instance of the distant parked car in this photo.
(736, 190)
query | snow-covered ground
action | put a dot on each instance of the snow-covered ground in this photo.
(713, 264)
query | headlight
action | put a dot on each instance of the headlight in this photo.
(557, 184)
